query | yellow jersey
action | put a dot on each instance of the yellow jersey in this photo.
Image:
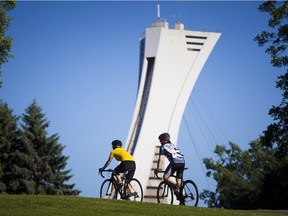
(121, 154)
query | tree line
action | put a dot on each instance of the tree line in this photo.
(31, 161)
(258, 177)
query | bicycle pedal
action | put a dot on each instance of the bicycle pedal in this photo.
(181, 203)
(191, 196)
(124, 197)
(135, 194)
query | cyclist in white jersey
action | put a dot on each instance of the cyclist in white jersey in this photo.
(176, 159)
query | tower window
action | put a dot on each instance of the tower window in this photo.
(195, 43)
(196, 37)
(193, 49)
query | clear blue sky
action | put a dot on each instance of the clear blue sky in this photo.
(79, 61)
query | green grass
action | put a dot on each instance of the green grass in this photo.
(67, 205)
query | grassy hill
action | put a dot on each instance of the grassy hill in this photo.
(67, 205)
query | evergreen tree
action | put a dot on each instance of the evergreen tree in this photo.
(8, 135)
(44, 155)
(5, 40)
(13, 174)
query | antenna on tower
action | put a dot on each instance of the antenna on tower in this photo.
(158, 12)
(177, 18)
(160, 22)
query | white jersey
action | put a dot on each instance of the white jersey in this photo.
(173, 154)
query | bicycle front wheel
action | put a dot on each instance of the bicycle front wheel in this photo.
(164, 193)
(190, 193)
(134, 191)
(108, 190)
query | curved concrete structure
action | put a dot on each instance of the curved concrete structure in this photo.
(170, 63)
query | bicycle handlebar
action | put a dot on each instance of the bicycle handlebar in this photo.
(160, 171)
(107, 170)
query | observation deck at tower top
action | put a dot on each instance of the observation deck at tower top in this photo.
(164, 24)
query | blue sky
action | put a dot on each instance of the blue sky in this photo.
(79, 61)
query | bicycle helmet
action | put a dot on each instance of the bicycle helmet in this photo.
(116, 143)
(164, 136)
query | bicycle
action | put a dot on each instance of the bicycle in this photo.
(109, 188)
(188, 193)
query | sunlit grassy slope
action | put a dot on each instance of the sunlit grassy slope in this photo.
(68, 205)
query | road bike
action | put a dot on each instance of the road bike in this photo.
(188, 193)
(110, 189)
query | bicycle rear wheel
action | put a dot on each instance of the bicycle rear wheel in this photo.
(190, 193)
(164, 193)
(108, 190)
(134, 192)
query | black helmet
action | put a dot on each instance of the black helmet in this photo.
(116, 143)
(164, 136)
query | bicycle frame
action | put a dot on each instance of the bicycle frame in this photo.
(109, 188)
(114, 181)
(188, 193)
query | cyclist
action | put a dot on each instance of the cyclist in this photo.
(127, 163)
(176, 159)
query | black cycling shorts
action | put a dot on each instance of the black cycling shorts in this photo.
(124, 166)
(175, 167)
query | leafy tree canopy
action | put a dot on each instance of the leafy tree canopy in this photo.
(239, 176)
(5, 40)
(258, 178)
(276, 42)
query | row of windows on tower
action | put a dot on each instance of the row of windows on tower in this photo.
(195, 43)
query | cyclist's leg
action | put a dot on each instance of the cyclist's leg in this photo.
(119, 169)
(179, 173)
(179, 167)
(167, 175)
(130, 167)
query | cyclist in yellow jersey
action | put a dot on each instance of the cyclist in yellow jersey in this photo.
(126, 159)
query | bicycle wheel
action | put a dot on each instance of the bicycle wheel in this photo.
(164, 193)
(108, 190)
(134, 191)
(190, 193)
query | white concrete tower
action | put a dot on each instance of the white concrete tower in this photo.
(170, 63)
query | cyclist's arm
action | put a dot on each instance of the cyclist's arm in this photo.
(160, 162)
(107, 163)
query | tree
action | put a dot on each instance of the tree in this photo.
(8, 135)
(46, 161)
(14, 177)
(239, 176)
(5, 40)
(277, 42)
(276, 134)
(258, 178)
